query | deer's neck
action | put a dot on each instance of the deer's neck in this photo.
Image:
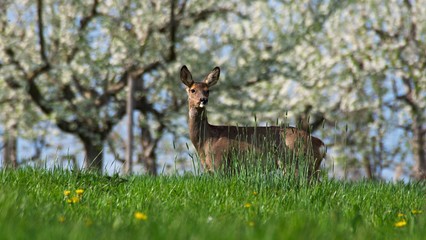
(198, 126)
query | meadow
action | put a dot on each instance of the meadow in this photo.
(59, 204)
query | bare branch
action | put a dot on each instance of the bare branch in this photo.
(41, 32)
(84, 22)
(182, 7)
(88, 93)
(137, 72)
(13, 61)
(36, 95)
(408, 96)
(12, 83)
(110, 142)
(196, 17)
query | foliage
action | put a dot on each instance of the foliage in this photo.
(357, 69)
(43, 204)
(73, 60)
(371, 63)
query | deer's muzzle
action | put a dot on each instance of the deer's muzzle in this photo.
(203, 102)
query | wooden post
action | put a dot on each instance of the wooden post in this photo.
(129, 109)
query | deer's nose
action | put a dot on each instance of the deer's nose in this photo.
(204, 100)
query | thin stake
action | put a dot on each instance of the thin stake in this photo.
(129, 110)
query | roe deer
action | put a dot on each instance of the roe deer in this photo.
(213, 143)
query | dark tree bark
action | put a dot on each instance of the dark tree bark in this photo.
(10, 148)
(367, 167)
(419, 149)
(417, 127)
(94, 155)
(149, 144)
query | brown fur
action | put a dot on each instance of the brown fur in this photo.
(213, 143)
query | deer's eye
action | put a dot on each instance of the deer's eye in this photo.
(192, 90)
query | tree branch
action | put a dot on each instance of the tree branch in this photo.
(196, 17)
(84, 22)
(408, 96)
(110, 122)
(12, 83)
(36, 95)
(110, 143)
(114, 89)
(41, 32)
(182, 7)
(9, 52)
(87, 93)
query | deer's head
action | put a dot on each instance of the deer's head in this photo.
(198, 92)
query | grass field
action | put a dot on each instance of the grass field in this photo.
(47, 204)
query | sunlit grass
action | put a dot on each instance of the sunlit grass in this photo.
(35, 204)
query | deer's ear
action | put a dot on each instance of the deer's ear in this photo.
(186, 77)
(213, 77)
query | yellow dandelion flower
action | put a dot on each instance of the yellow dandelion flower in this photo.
(401, 215)
(141, 216)
(247, 205)
(415, 211)
(251, 224)
(61, 219)
(67, 193)
(79, 192)
(73, 200)
(401, 223)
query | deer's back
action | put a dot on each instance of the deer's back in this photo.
(258, 136)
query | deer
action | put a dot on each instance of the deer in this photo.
(214, 143)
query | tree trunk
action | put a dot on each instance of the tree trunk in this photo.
(150, 162)
(94, 155)
(367, 167)
(10, 146)
(419, 149)
(149, 145)
(149, 157)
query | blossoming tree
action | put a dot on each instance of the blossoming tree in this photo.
(354, 72)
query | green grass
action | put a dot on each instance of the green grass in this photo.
(33, 206)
